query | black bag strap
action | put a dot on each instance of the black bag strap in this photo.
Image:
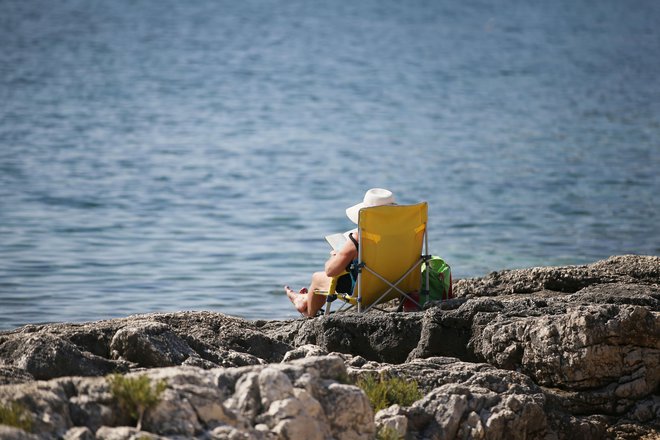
(357, 246)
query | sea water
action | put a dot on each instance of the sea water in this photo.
(165, 156)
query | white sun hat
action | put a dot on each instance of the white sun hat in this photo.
(373, 197)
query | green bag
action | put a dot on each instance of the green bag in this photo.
(439, 279)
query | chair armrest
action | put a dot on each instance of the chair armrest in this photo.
(333, 286)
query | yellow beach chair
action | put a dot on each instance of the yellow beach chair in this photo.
(391, 240)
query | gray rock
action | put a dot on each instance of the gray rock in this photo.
(356, 423)
(279, 405)
(194, 396)
(378, 336)
(46, 402)
(150, 345)
(567, 279)
(225, 334)
(10, 375)
(11, 433)
(297, 416)
(273, 385)
(231, 433)
(246, 400)
(467, 400)
(330, 366)
(201, 339)
(45, 356)
(79, 433)
(304, 351)
(124, 433)
(614, 350)
(558, 352)
(393, 419)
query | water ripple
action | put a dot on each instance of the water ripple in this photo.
(192, 156)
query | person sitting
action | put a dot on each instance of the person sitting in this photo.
(305, 301)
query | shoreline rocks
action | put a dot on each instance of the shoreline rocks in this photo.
(553, 353)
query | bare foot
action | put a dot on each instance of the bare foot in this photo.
(299, 299)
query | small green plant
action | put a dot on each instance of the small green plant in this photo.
(384, 392)
(14, 414)
(387, 433)
(136, 394)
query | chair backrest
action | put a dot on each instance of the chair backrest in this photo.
(391, 242)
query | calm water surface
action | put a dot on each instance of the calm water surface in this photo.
(163, 156)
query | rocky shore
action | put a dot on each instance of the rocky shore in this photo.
(544, 353)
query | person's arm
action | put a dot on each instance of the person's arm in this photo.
(338, 261)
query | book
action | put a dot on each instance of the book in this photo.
(336, 241)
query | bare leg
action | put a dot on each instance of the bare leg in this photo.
(305, 301)
(320, 281)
